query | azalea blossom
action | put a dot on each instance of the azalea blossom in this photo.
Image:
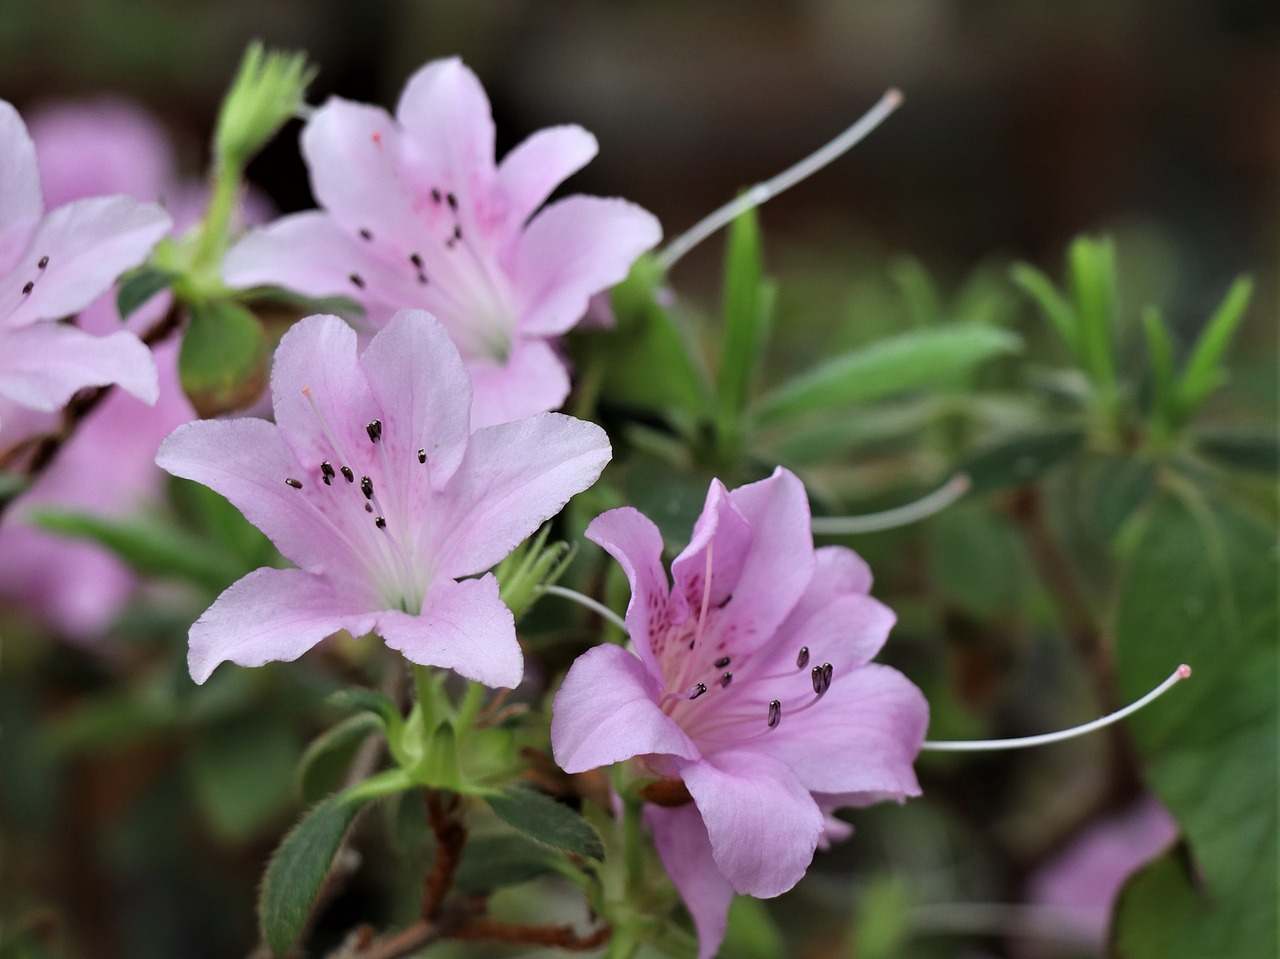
(54, 265)
(417, 214)
(371, 481)
(749, 689)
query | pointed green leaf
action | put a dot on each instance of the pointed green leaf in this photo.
(491, 862)
(747, 302)
(1164, 400)
(1055, 307)
(139, 286)
(1092, 269)
(223, 359)
(1204, 372)
(915, 360)
(298, 868)
(543, 819)
(327, 759)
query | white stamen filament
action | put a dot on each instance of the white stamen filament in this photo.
(598, 608)
(1022, 742)
(763, 192)
(922, 508)
(689, 669)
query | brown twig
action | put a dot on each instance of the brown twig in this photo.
(451, 838)
(42, 450)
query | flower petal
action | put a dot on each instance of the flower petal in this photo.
(846, 631)
(531, 171)
(44, 364)
(413, 368)
(444, 108)
(513, 478)
(573, 249)
(21, 204)
(247, 461)
(271, 615)
(464, 627)
(763, 824)
(607, 711)
(318, 355)
(88, 244)
(863, 736)
(685, 850)
(532, 380)
(635, 542)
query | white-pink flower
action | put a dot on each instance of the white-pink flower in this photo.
(751, 681)
(54, 265)
(372, 482)
(417, 214)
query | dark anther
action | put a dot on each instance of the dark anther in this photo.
(290, 481)
(422, 456)
(365, 234)
(802, 660)
(725, 680)
(368, 507)
(357, 279)
(366, 487)
(821, 676)
(457, 232)
(722, 662)
(416, 259)
(775, 713)
(347, 474)
(44, 261)
(374, 429)
(28, 287)
(435, 195)
(724, 602)
(452, 201)
(422, 278)
(326, 472)
(380, 522)
(698, 690)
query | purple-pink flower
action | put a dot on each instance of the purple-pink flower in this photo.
(417, 214)
(373, 483)
(52, 266)
(751, 681)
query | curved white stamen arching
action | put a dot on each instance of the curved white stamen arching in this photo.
(762, 192)
(922, 508)
(689, 669)
(598, 608)
(1022, 742)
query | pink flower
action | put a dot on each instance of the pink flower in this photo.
(54, 265)
(417, 214)
(751, 682)
(371, 481)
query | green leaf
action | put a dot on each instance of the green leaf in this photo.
(1164, 401)
(544, 820)
(223, 359)
(914, 360)
(147, 546)
(1200, 589)
(139, 286)
(1257, 452)
(326, 761)
(1204, 371)
(1092, 269)
(1052, 303)
(752, 933)
(242, 772)
(491, 862)
(1115, 487)
(298, 868)
(646, 360)
(369, 700)
(748, 299)
(1018, 461)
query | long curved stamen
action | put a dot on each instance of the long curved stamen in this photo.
(598, 608)
(923, 508)
(762, 192)
(1022, 742)
(688, 671)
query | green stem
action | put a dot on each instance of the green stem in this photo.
(217, 221)
(424, 685)
(472, 701)
(633, 847)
